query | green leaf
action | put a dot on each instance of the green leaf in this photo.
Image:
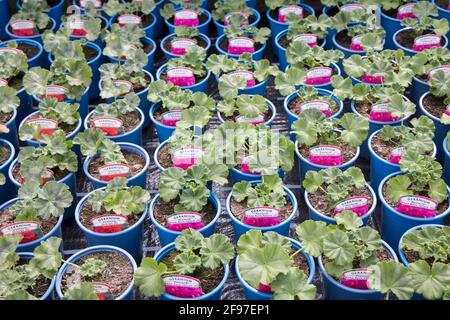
(293, 286)
(216, 250)
(47, 257)
(83, 291)
(311, 235)
(186, 262)
(21, 295)
(349, 220)
(391, 277)
(397, 187)
(148, 277)
(432, 282)
(172, 180)
(8, 246)
(355, 129)
(92, 267)
(336, 246)
(189, 240)
(312, 182)
(249, 241)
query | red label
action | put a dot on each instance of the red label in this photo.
(262, 217)
(227, 18)
(97, 3)
(170, 118)
(417, 206)
(357, 204)
(47, 126)
(326, 155)
(319, 75)
(265, 288)
(111, 171)
(110, 126)
(181, 76)
(396, 155)
(241, 45)
(356, 43)
(356, 278)
(54, 91)
(185, 220)
(246, 75)
(245, 165)
(427, 41)
(322, 106)
(445, 69)
(23, 28)
(187, 18)
(284, 11)
(186, 157)
(183, 286)
(127, 19)
(109, 223)
(77, 27)
(308, 38)
(103, 291)
(180, 45)
(405, 11)
(30, 230)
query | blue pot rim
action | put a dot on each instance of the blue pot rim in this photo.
(296, 244)
(350, 51)
(171, 246)
(38, 100)
(254, 24)
(269, 103)
(447, 11)
(352, 290)
(123, 135)
(219, 40)
(141, 151)
(140, 93)
(155, 155)
(80, 205)
(333, 220)
(404, 216)
(51, 286)
(252, 176)
(77, 256)
(429, 115)
(444, 145)
(88, 44)
(385, 16)
(113, 19)
(36, 242)
(421, 81)
(168, 37)
(284, 33)
(288, 220)
(353, 108)
(28, 41)
(421, 226)
(212, 197)
(204, 11)
(19, 5)
(144, 39)
(99, 37)
(321, 92)
(11, 155)
(36, 36)
(13, 117)
(410, 50)
(152, 111)
(164, 67)
(303, 5)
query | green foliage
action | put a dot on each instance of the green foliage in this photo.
(245, 105)
(429, 59)
(390, 277)
(423, 11)
(431, 281)
(59, 44)
(118, 108)
(12, 64)
(91, 267)
(8, 103)
(94, 142)
(130, 70)
(310, 24)
(92, 24)
(168, 11)
(223, 8)
(36, 11)
(83, 291)
(114, 7)
(235, 29)
(193, 59)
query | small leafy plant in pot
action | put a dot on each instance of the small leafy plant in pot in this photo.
(389, 144)
(225, 10)
(114, 215)
(422, 32)
(174, 107)
(8, 113)
(267, 205)
(174, 45)
(188, 14)
(8, 153)
(107, 159)
(355, 263)
(28, 275)
(331, 191)
(192, 267)
(56, 8)
(185, 201)
(97, 273)
(31, 48)
(425, 251)
(271, 266)
(87, 25)
(415, 196)
(324, 142)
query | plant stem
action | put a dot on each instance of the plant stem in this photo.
(296, 252)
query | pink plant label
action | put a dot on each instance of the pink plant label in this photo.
(186, 18)
(445, 69)
(103, 291)
(97, 3)
(262, 217)
(127, 19)
(254, 121)
(180, 45)
(380, 112)
(11, 50)
(186, 157)
(447, 110)
(326, 155)
(170, 118)
(357, 204)
(229, 16)
(356, 43)
(367, 78)
(185, 220)
(405, 11)
(109, 223)
(417, 206)
(110, 126)
(322, 106)
(284, 11)
(241, 45)
(396, 155)
(29, 230)
(265, 288)
(246, 75)
(77, 27)
(47, 126)
(181, 76)
(319, 75)
(127, 86)
(3, 83)
(183, 286)
(352, 6)
(427, 41)
(23, 28)
(54, 91)
(356, 279)
(111, 171)
(245, 165)
(308, 38)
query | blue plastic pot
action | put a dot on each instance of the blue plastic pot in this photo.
(326, 86)
(25, 107)
(305, 165)
(155, 155)
(443, 13)
(418, 89)
(446, 175)
(440, 132)
(36, 37)
(204, 5)
(4, 17)
(81, 11)
(220, 26)
(169, 55)
(164, 131)
(55, 13)
(380, 168)
(283, 228)
(12, 135)
(69, 180)
(99, 42)
(213, 295)
(347, 52)
(391, 26)
(280, 51)
(8, 190)
(167, 236)
(318, 216)
(292, 117)
(238, 176)
(334, 290)
(253, 294)
(257, 55)
(149, 30)
(410, 52)
(37, 60)
(395, 224)
(48, 295)
(126, 295)
(129, 239)
(134, 136)
(202, 28)
(332, 32)
(268, 123)
(137, 180)
(30, 246)
(198, 87)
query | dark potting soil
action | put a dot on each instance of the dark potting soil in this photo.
(147, 47)
(199, 40)
(224, 45)
(294, 105)
(348, 152)
(29, 50)
(202, 18)
(147, 19)
(5, 117)
(441, 208)
(274, 14)
(434, 105)
(412, 256)
(363, 108)
(67, 128)
(87, 214)
(7, 217)
(137, 88)
(164, 209)
(344, 39)
(16, 81)
(238, 209)
(58, 174)
(267, 116)
(130, 121)
(319, 200)
(406, 38)
(391, 12)
(89, 53)
(164, 157)
(284, 42)
(118, 273)
(134, 160)
(41, 285)
(5, 152)
(163, 76)
(210, 279)
(442, 4)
